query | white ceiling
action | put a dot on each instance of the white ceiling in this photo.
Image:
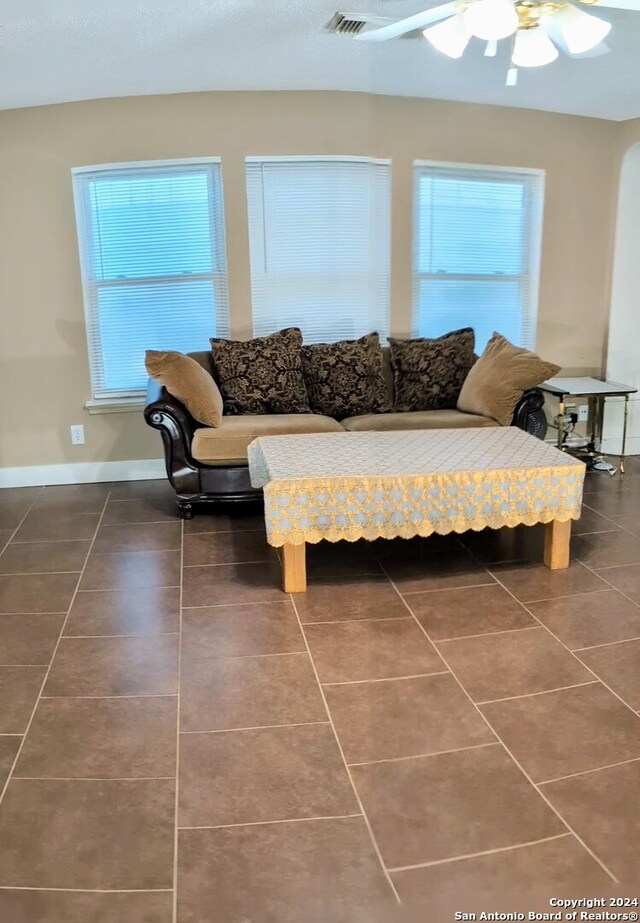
(55, 51)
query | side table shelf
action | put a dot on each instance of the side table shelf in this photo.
(596, 391)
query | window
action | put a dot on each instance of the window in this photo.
(477, 236)
(152, 254)
(319, 242)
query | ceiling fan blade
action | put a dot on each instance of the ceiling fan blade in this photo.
(596, 52)
(419, 21)
(633, 5)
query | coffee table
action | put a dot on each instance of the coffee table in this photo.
(351, 486)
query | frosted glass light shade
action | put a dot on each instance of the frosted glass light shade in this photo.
(451, 37)
(533, 48)
(491, 19)
(580, 31)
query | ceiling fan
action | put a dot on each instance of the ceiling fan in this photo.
(536, 28)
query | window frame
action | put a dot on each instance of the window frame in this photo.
(535, 231)
(109, 400)
(386, 162)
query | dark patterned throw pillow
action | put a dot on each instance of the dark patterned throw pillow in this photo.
(263, 375)
(429, 374)
(345, 379)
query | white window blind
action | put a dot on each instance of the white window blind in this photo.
(319, 242)
(152, 253)
(477, 236)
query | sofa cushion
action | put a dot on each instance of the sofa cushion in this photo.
(345, 378)
(429, 373)
(263, 375)
(500, 377)
(227, 445)
(418, 419)
(186, 380)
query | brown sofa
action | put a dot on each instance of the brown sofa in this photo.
(207, 465)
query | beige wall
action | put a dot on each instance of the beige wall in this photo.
(45, 380)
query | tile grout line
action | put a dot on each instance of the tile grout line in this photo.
(598, 513)
(15, 778)
(426, 756)
(89, 890)
(55, 541)
(610, 586)
(367, 823)
(221, 531)
(487, 634)
(534, 602)
(590, 647)
(21, 612)
(153, 634)
(568, 649)
(530, 695)
(394, 618)
(386, 679)
(596, 679)
(210, 659)
(587, 772)
(600, 567)
(16, 666)
(108, 554)
(179, 679)
(232, 563)
(474, 855)
(259, 727)
(55, 650)
(39, 573)
(267, 823)
(138, 695)
(29, 508)
(135, 589)
(495, 733)
(254, 602)
(608, 519)
(441, 589)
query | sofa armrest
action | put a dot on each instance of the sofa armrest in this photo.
(176, 425)
(526, 416)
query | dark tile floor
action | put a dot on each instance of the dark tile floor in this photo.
(433, 722)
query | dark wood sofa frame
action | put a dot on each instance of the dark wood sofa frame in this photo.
(195, 483)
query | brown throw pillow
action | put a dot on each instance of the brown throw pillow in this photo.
(428, 374)
(499, 378)
(345, 379)
(263, 375)
(188, 382)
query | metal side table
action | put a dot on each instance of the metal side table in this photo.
(596, 391)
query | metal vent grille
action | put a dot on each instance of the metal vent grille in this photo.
(350, 23)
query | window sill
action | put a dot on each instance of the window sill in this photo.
(123, 405)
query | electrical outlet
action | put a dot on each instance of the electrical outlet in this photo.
(583, 413)
(77, 434)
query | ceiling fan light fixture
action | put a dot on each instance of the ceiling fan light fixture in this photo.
(533, 48)
(450, 37)
(491, 19)
(580, 31)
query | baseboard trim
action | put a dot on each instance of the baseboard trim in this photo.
(613, 445)
(146, 469)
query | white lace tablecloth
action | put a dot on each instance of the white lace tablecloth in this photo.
(335, 486)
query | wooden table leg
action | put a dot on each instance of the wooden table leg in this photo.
(557, 538)
(294, 568)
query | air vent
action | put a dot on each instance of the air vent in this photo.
(352, 23)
